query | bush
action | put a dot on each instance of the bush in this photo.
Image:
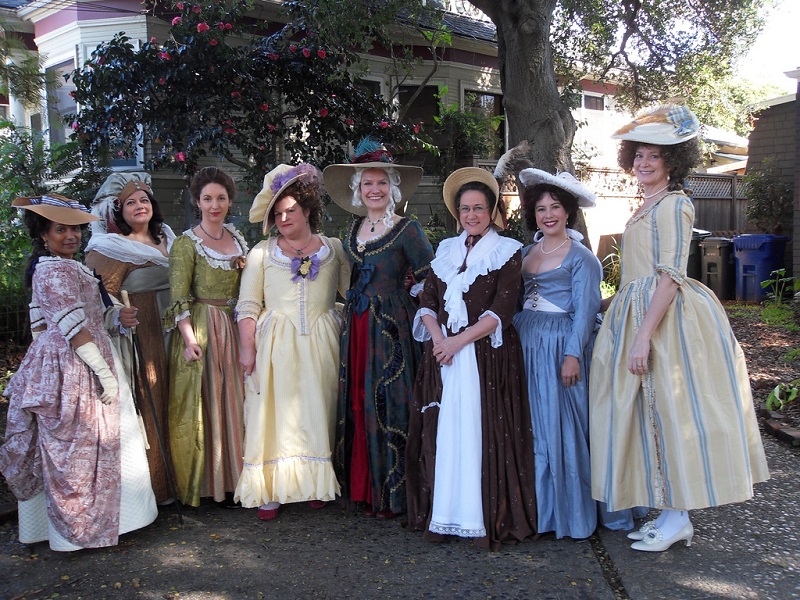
(770, 201)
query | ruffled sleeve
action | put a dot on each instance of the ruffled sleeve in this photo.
(504, 305)
(251, 291)
(674, 218)
(182, 258)
(586, 276)
(56, 283)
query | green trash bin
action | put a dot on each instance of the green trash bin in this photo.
(719, 266)
(694, 266)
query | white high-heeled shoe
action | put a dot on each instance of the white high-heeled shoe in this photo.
(654, 540)
(639, 534)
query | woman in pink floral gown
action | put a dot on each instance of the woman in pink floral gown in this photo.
(74, 456)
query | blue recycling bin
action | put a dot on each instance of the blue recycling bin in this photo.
(757, 255)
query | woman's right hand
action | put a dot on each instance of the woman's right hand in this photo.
(247, 360)
(193, 352)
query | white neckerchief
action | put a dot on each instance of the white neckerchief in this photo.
(123, 249)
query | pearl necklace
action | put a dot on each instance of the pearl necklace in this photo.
(656, 193)
(541, 246)
(203, 229)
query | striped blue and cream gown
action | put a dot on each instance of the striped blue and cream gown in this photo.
(684, 436)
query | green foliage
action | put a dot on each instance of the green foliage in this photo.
(21, 72)
(792, 355)
(783, 394)
(612, 271)
(779, 315)
(218, 87)
(770, 201)
(779, 285)
(460, 134)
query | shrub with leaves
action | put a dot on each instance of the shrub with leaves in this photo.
(769, 200)
(217, 86)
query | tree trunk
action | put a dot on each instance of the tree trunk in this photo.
(534, 109)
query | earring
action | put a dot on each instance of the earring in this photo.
(46, 247)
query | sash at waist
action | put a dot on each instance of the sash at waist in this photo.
(217, 301)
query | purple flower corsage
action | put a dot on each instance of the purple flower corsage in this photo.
(308, 266)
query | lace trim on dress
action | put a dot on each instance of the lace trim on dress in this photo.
(247, 309)
(217, 260)
(674, 274)
(275, 461)
(456, 530)
(119, 247)
(490, 254)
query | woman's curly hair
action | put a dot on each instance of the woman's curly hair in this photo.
(308, 192)
(154, 227)
(680, 158)
(532, 195)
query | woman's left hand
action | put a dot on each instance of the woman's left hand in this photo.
(127, 317)
(570, 371)
(446, 348)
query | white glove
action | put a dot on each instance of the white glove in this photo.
(90, 354)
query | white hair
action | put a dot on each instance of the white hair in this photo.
(394, 191)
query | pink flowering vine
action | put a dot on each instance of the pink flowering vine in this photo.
(176, 21)
(263, 107)
(196, 10)
(180, 156)
(322, 54)
(384, 124)
(164, 55)
(272, 56)
(323, 112)
(213, 42)
(306, 52)
(201, 27)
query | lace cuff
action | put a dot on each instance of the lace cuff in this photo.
(496, 336)
(177, 311)
(247, 309)
(418, 329)
(70, 320)
(416, 289)
(674, 274)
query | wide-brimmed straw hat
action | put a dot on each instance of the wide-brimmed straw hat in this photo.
(469, 175)
(275, 182)
(57, 208)
(665, 125)
(565, 181)
(116, 189)
(369, 154)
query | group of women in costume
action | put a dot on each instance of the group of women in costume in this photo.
(454, 389)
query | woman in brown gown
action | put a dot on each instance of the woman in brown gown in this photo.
(129, 250)
(470, 470)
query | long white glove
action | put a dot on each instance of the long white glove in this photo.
(90, 354)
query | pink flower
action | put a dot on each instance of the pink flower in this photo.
(348, 121)
(229, 130)
(236, 95)
(306, 52)
(176, 21)
(272, 56)
(264, 107)
(322, 54)
(416, 128)
(196, 10)
(153, 40)
(179, 6)
(120, 153)
(293, 48)
(201, 27)
(213, 42)
(164, 55)
(271, 128)
(74, 126)
(228, 26)
(162, 81)
(180, 156)
(323, 112)
(221, 26)
(384, 124)
(101, 60)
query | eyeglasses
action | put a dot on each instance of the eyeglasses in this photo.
(478, 210)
